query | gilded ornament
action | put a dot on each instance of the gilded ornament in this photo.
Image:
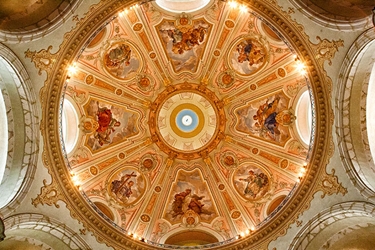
(190, 220)
(329, 185)
(137, 27)
(326, 50)
(281, 72)
(43, 60)
(49, 194)
(145, 218)
(229, 23)
(236, 215)
(118, 92)
(93, 170)
(284, 163)
(89, 79)
(253, 86)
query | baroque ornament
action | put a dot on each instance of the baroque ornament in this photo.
(43, 60)
(172, 68)
(330, 185)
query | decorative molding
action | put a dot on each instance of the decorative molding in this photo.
(63, 189)
(355, 156)
(329, 216)
(326, 49)
(49, 195)
(330, 185)
(23, 145)
(43, 60)
(42, 223)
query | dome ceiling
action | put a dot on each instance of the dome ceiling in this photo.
(186, 122)
(18, 15)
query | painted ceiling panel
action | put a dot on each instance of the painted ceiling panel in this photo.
(186, 121)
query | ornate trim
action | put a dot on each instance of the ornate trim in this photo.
(351, 160)
(328, 216)
(48, 225)
(330, 185)
(49, 194)
(319, 154)
(27, 157)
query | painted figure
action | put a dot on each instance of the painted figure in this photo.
(248, 56)
(195, 204)
(266, 118)
(122, 61)
(249, 51)
(123, 188)
(256, 184)
(117, 56)
(107, 125)
(185, 41)
(179, 200)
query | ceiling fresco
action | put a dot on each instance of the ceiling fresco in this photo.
(186, 121)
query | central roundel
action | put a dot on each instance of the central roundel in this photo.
(185, 121)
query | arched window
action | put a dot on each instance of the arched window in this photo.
(3, 137)
(304, 114)
(182, 5)
(69, 126)
(18, 131)
(370, 114)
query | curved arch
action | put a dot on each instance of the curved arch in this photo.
(182, 230)
(351, 119)
(20, 103)
(37, 28)
(182, 6)
(3, 136)
(69, 125)
(2, 229)
(304, 113)
(319, 229)
(322, 16)
(41, 228)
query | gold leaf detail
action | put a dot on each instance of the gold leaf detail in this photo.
(326, 49)
(330, 185)
(49, 194)
(43, 59)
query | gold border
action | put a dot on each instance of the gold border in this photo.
(54, 160)
(197, 130)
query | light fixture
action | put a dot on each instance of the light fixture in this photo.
(72, 69)
(243, 8)
(233, 4)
